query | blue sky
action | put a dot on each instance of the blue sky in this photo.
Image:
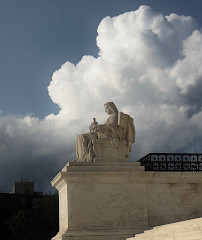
(61, 60)
(38, 36)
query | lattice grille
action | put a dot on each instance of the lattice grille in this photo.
(172, 162)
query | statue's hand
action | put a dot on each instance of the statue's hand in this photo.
(93, 136)
(102, 128)
(93, 127)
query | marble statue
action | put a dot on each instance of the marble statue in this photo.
(110, 141)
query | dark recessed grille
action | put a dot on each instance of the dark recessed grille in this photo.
(172, 162)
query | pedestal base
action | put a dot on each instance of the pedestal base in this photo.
(99, 201)
(102, 234)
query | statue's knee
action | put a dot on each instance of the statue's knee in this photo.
(79, 136)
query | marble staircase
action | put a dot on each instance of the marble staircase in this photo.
(185, 230)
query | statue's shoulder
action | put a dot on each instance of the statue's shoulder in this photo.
(124, 119)
(127, 125)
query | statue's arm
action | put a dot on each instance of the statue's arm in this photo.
(93, 126)
(112, 121)
(109, 128)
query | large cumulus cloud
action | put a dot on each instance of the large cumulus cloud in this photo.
(148, 64)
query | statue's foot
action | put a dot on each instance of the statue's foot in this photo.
(90, 160)
(82, 160)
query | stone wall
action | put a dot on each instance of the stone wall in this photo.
(118, 200)
(173, 196)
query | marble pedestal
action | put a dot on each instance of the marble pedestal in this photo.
(101, 201)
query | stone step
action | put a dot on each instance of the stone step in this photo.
(102, 166)
(191, 222)
(185, 230)
(162, 234)
(176, 230)
(195, 236)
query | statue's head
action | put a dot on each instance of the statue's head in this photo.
(110, 108)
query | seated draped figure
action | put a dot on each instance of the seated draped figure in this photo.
(110, 141)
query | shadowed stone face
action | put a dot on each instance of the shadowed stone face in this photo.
(108, 110)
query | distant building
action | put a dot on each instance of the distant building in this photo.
(23, 187)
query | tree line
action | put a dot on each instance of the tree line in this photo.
(28, 217)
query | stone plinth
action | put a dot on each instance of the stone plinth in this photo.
(101, 201)
(115, 201)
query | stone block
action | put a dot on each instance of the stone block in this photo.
(100, 201)
(115, 200)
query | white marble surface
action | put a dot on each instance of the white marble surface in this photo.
(185, 230)
(100, 201)
(108, 201)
